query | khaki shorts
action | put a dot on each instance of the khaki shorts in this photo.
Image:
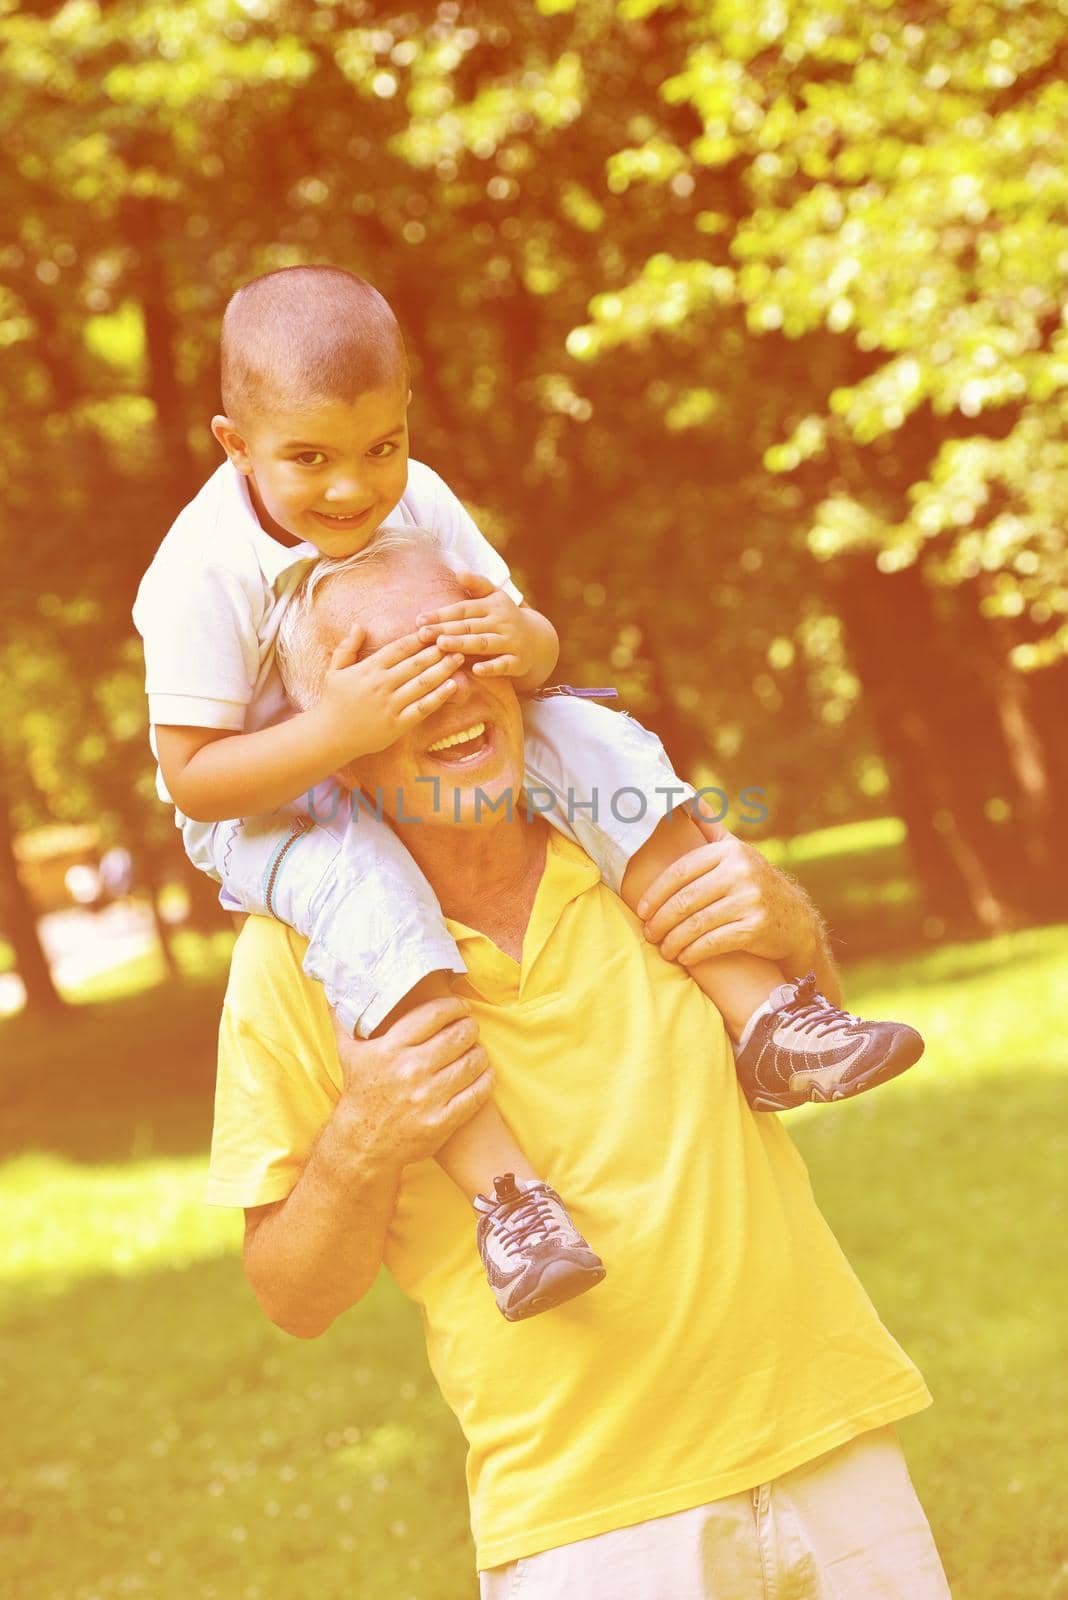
(847, 1526)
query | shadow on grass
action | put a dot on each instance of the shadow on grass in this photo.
(128, 1077)
(166, 1440)
(960, 961)
(114, 1079)
(874, 906)
(951, 1205)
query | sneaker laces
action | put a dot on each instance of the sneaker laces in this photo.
(525, 1218)
(811, 1012)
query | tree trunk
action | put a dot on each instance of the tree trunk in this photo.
(1047, 693)
(1031, 710)
(152, 878)
(206, 915)
(144, 230)
(18, 921)
(940, 736)
(678, 733)
(165, 940)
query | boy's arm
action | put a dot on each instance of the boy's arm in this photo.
(527, 647)
(212, 775)
(543, 644)
(366, 704)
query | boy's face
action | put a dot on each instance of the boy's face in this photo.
(330, 473)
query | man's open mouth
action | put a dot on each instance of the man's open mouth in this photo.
(466, 744)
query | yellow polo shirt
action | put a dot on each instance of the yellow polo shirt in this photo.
(730, 1341)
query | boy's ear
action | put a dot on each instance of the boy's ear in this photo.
(233, 442)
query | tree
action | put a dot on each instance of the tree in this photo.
(18, 922)
(738, 321)
(886, 188)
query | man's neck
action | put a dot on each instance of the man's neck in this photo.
(485, 877)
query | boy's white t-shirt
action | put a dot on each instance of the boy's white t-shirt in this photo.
(209, 606)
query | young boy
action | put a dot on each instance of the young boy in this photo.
(315, 393)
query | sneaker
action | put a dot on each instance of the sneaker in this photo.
(799, 1047)
(534, 1256)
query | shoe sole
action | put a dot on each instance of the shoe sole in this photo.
(876, 1075)
(559, 1283)
(892, 1067)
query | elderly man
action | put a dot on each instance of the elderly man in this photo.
(717, 1418)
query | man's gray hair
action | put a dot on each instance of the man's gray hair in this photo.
(303, 657)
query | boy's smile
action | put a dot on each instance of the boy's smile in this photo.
(328, 473)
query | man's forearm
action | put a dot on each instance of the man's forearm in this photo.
(315, 1255)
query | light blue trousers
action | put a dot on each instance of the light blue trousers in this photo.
(343, 878)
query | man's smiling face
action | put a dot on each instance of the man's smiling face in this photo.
(465, 758)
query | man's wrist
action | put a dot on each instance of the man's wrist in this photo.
(349, 1161)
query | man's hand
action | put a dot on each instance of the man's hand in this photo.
(511, 638)
(724, 897)
(315, 1253)
(366, 705)
(410, 1087)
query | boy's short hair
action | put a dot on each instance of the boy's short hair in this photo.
(306, 334)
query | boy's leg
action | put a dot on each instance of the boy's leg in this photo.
(736, 984)
(373, 924)
(379, 946)
(599, 777)
(791, 1044)
(484, 1147)
(615, 792)
(533, 1255)
(482, 1150)
(612, 789)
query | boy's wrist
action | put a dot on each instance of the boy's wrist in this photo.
(542, 651)
(333, 744)
(806, 948)
(813, 953)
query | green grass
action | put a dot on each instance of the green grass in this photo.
(163, 1440)
(861, 877)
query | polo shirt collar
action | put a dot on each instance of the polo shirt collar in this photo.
(569, 873)
(274, 559)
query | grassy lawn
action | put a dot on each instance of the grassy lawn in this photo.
(163, 1440)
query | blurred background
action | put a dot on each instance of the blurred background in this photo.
(739, 326)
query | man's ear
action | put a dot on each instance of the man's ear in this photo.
(233, 442)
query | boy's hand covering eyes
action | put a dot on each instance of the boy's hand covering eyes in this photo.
(373, 701)
(490, 624)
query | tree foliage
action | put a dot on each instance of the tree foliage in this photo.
(739, 323)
